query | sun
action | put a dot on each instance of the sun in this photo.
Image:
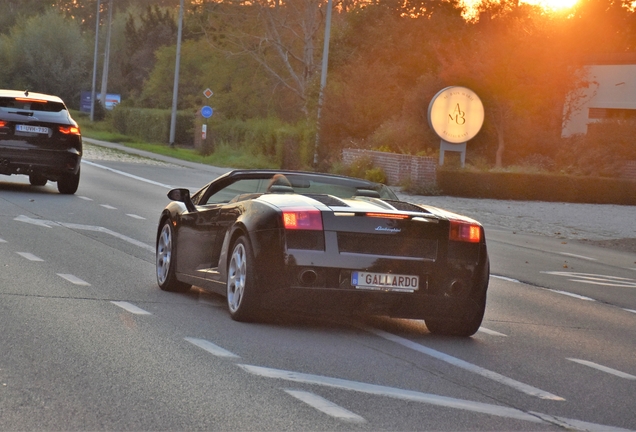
(554, 5)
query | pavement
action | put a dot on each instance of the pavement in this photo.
(605, 225)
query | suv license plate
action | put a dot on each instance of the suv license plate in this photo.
(32, 129)
(384, 281)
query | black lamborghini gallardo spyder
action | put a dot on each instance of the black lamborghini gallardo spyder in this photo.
(285, 239)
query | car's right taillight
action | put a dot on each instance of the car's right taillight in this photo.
(302, 219)
(465, 232)
(69, 130)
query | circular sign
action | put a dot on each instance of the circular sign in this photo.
(206, 112)
(456, 114)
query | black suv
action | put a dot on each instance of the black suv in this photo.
(39, 138)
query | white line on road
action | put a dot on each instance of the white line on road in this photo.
(211, 348)
(109, 207)
(525, 388)
(505, 278)
(491, 332)
(29, 256)
(84, 198)
(604, 369)
(130, 308)
(569, 294)
(49, 224)
(578, 256)
(2, 240)
(134, 216)
(73, 279)
(127, 174)
(427, 398)
(630, 310)
(326, 406)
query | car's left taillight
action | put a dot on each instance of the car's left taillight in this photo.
(302, 219)
(465, 232)
(69, 130)
(3, 123)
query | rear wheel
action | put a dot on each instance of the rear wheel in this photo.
(37, 180)
(242, 300)
(68, 183)
(166, 264)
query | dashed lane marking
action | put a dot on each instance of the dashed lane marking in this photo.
(326, 406)
(211, 348)
(491, 332)
(73, 279)
(525, 388)
(109, 207)
(134, 216)
(84, 198)
(604, 368)
(578, 256)
(131, 308)
(127, 174)
(29, 256)
(595, 279)
(569, 294)
(427, 398)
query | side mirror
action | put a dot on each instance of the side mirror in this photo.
(182, 195)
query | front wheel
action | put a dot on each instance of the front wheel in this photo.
(242, 300)
(166, 277)
(68, 183)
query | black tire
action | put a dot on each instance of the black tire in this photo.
(68, 183)
(242, 298)
(467, 319)
(166, 261)
(37, 180)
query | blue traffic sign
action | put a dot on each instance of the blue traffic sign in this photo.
(206, 112)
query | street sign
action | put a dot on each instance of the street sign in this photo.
(207, 93)
(206, 112)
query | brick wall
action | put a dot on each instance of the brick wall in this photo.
(630, 170)
(419, 170)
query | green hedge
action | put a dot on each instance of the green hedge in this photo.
(537, 187)
(153, 125)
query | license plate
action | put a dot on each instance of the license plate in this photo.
(32, 129)
(384, 281)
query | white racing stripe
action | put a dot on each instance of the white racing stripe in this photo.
(29, 256)
(427, 398)
(130, 308)
(73, 279)
(525, 388)
(325, 406)
(127, 174)
(604, 369)
(211, 348)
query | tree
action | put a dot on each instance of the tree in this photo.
(46, 54)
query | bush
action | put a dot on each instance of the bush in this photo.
(153, 125)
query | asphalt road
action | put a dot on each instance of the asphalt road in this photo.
(89, 342)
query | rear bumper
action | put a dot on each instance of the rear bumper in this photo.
(49, 163)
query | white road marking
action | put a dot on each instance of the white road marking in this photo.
(131, 308)
(596, 279)
(525, 388)
(578, 256)
(73, 279)
(326, 406)
(604, 369)
(29, 256)
(491, 332)
(630, 310)
(427, 398)
(211, 348)
(49, 224)
(134, 216)
(127, 174)
(2, 240)
(84, 198)
(505, 278)
(569, 294)
(109, 207)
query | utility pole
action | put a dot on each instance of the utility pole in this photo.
(175, 87)
(107, 55)
(95, 62)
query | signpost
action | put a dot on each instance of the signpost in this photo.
(456, 115)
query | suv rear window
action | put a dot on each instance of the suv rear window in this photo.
(31, 104)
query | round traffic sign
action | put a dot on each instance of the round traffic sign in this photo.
(206, 112)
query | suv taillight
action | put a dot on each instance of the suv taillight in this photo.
(465, 232)
(69, 130)
(302, 219)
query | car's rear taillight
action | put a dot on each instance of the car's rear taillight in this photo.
(465, 232)
(69, 130)
(302, 219)
(3, 123)
(388, 215)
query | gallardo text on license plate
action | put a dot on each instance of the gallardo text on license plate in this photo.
(385, 281)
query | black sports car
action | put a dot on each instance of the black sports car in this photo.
(277, 239)
(39, 138)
